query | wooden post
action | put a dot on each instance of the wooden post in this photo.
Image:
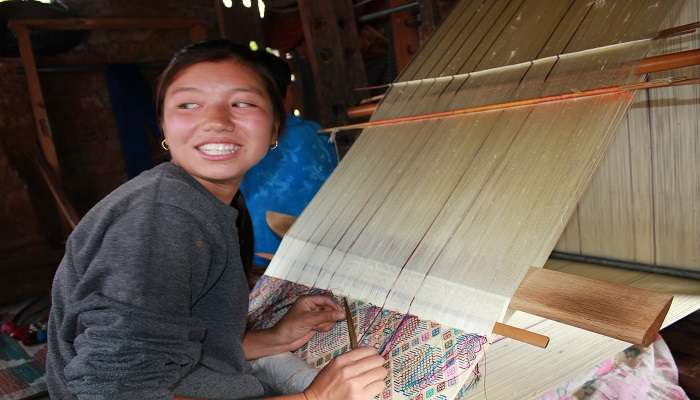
(41, 118)
(332, 47)
(405, 36)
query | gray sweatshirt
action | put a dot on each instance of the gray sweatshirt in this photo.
(151, 297)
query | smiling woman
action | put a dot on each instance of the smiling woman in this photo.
(216, 130)
(150, 300)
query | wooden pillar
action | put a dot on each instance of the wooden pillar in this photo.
(41, 118)
(404, 33)
(332, 47)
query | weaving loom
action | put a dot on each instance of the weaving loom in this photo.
(441, 216)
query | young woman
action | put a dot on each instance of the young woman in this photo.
(150, 300)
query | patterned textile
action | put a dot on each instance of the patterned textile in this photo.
(636, 373)
(287, 179)
(21, 375)
(425, 360)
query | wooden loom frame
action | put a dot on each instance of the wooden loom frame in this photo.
(47, 163)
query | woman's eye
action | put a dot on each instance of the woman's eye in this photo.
(243, 104)
(188, 106)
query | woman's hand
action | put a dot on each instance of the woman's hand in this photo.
(308, 315)
(355, 375)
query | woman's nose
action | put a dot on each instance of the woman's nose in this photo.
(217, 119)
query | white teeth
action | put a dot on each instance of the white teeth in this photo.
(217, 149)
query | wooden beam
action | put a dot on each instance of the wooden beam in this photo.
(107, 23)
(618, 311)
(41, 117)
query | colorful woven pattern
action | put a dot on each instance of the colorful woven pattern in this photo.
(21, 375)
(425, 360)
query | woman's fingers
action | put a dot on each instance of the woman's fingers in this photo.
(358, 355)
(325, 327)
(315, 319)
(357, 374)
(374, 388)
(374, 375)
(319, 302)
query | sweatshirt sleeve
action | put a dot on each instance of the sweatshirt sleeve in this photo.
(134, 333)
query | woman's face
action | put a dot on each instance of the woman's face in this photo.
(218, 123)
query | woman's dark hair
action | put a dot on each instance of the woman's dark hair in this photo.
(220, 50)
(279, 70)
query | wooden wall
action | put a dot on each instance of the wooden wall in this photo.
(643, 203)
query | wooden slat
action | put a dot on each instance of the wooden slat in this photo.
(521, 335)
(629, 314)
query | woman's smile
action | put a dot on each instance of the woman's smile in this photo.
(218, 151)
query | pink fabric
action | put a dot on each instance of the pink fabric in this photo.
(636, 373)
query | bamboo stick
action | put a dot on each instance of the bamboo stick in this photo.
(351, 325)
(670, 61)
(521, 335)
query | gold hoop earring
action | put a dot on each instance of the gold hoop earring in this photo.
(274, 146)
(164, 145)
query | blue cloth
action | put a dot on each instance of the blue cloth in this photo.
(287, 179)
(135, 115)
